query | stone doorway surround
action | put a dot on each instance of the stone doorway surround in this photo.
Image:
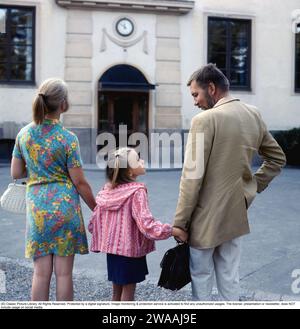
(79, 55)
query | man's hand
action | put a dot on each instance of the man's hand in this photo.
(180, 234)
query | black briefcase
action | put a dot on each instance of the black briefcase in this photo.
(175, 268)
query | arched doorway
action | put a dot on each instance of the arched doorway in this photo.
(123, 99)
(6, 147)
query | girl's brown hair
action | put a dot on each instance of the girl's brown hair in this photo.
(117, 170)
(51, 94)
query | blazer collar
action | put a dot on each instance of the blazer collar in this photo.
(225, 100)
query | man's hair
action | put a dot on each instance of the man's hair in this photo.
(210, 74)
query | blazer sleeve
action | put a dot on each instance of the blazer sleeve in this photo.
(148, 226)
(198, 149)
(273, 159)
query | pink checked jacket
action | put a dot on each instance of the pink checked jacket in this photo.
(122, 223)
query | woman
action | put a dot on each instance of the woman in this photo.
(49, 155)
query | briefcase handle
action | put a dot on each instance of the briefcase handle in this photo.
(179, 241)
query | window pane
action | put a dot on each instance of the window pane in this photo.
(17, 45)
(217, 26)
(21, 35)
(239, 53)
(238, 62)
(21, 54)
(21, 71)
(21, 17)
(239, 77)
(3, 71)
(3, 56)
(219, 59)
(229, 47)
(297, 81)
(2, 20)
(297, 63)
(239, 57)
(3, 38)
(217, 35)
(217, 43)
(238, 29)
(238, 43)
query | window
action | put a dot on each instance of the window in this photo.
(17, 35)
(297, 60)
(229, 47)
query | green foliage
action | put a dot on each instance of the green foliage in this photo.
(289, 140)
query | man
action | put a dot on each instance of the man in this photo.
(212, 207)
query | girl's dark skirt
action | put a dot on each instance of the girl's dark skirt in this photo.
(125, 270)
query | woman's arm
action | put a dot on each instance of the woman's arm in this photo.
(18, 168)
(82, 186)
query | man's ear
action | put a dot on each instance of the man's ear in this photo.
(211, 89)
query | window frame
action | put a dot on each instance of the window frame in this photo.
(297, 63)
(32, 81)
(247, 86)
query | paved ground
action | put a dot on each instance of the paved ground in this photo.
(270, 253)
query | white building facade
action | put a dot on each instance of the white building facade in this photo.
(127, 62)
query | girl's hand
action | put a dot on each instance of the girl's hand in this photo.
(90, 227)
(180, 234)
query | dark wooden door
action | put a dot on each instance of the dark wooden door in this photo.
(129, 109)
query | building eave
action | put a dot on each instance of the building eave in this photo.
(178, 7)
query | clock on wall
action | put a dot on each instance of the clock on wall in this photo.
(124, 27)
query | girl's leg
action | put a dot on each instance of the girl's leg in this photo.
(63, 268)
(128, 291)
(43, 267)
(117, 292)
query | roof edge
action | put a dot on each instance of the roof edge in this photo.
(178, 7)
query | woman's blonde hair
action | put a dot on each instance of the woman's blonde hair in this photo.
(51, 94)
(117, 170)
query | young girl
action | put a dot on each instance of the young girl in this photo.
(122, 225)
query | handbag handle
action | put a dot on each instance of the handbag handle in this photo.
(15, 182)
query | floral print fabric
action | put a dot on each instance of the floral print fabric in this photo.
(54, 218)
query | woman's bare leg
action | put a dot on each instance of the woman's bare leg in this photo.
(43, 267)
(63, 268)
(128, 291)
(117, 292)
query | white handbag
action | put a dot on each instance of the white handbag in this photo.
(14, 198)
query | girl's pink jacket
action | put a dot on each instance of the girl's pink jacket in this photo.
(122, 223)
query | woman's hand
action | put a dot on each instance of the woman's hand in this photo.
(180, 234)
(82, 186)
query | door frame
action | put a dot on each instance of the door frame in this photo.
(112, 95)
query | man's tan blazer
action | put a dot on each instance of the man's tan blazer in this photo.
(213, 208)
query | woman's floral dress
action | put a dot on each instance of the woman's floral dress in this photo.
(54, 218)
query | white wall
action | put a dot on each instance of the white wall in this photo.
(16, 101)
(272, 56)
